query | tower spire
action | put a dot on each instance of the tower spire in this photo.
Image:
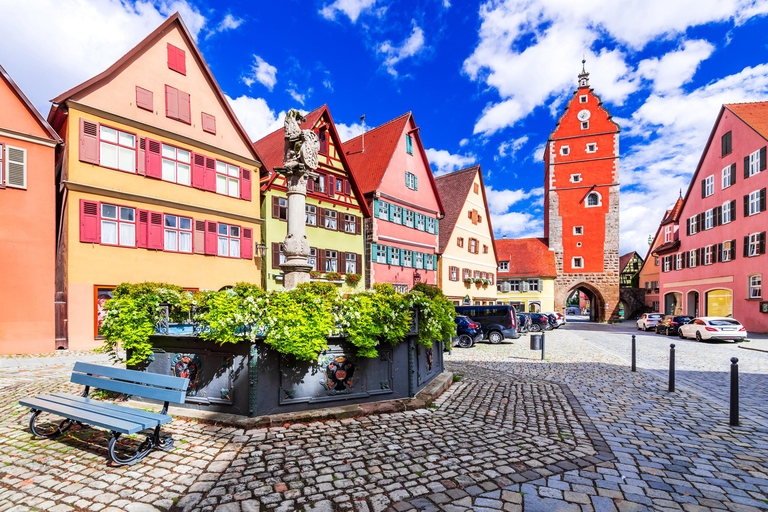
(583, 76)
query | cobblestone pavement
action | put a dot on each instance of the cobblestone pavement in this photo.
(576, 432)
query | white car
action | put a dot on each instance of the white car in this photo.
(648, 321)
(713, 328)
(560, 319)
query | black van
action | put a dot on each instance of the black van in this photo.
(498, 322)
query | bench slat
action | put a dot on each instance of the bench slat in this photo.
(153, 416)
(164, 395)
(95, 419)
(97, 407)
(151, 379)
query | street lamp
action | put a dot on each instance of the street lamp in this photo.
(262, 248)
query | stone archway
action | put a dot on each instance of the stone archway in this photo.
(597, 311)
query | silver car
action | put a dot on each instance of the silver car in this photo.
(648, 321)
(713, 328)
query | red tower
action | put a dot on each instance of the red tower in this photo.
(581, 194)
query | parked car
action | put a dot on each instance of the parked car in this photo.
(539, 322)
(648, 321)
(553, 320)
(468, 332)
(559, 318)
(713, 328)
(498, 322)
(573, 310)
(670, 324)
(523, 323)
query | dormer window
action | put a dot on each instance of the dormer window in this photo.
(591, 148)
(565, 150)
(503, 266)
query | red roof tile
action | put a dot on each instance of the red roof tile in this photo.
(754, 114)
(623, 260)
(673, 215)
(369, 165)
(527, 257)
(454, 189)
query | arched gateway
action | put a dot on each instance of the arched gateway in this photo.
(581, 199)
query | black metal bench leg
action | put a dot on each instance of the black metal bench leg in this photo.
(65, 425)
(165, 443)
(144, 448)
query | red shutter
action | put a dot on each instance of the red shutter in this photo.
(209, 123)
(321, 217)
(199, 242)
(171, 57)
(245, 184)
(211, 238)
(153, 166)
(246, 244)
(177, 59)
(331, 186)
(347, 187)
(89, 221)
(358, 225)
(198, 170)
(141, 159)
(185, 108)
(171, 102)
(155, 231)
(310, 185)
(275, 255)
(89, 142)
(142, 227)
(144, 99)
(210, 174)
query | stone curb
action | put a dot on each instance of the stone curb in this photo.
(422, 399)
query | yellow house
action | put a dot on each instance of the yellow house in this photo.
(467, 264)
(526, 276)
(157, 182)
(334, 210)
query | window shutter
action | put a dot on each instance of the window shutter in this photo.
(733, 210)
(719, 253)
(762, 158)
(144, 99)
(171, 56)
(185, 108)
(733, 249)
(699, 223)
(437, 226)
(685, 260)
(415, 182)
(155, 231)
(199, 242)
(389, 255)
(177, 59)
(762, 199)
(539, 286)
(358, 225)
(733, 174)
(142, 227)
(762, 242)
(276, 255)
(391, 210)
(210, 174)
(374, 252)
(171, 102)
(275, 207)
(141, 157)
(15, 167)
(331, 186)
(198, 171)
(321, 217)
(341, 263)
(703, 189)
(89, 142)
(245, 184)
(153, 166)
(209, 123)
(746, 167)
(746, 246)
(716, 216)
(211, 238)
(746, 205)
(359, 263)
(2, 165)
(89, 221)
(246, 244)
(310, 185)
(688, 227)
(347, 187)
(376, 208)
(321, 260)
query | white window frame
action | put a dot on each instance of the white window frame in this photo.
(397, 214)
(599, 200)
(666, 261)
(310, 214)
(727, 179)
(583, 98)
(754, 203)
(576, 178)
(565, 150)
(176, 232)
(331, 221)
(594, 147)
(709, 185)
(514, 285)
(232, 236)
(410, 180)
(754, 163)
(709, 219)
(173, 160)
(692, 224)
(350, 263)
(754, 245)
(755, 286)
(331, 261)
(381, 253)
(126, 149)
(503, 266)
(383, 212)
(692, 261)
(454, 273)
(6, 160)
(349, 224)
(727, 251)
(667, 234)
(227, 179)
(726, 213)
(679, 261)
(585, 125)
(409, 218)
(578, 230)
(573, 262)
(312, 258)
(533, 285)
(708, 252)
(119, 224)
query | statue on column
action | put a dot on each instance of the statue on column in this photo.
(299, 162)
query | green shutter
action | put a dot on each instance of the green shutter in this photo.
(374, 252)
(389, 255)
(391, 213)
(437, 226)
(415, 182)
(376, 208)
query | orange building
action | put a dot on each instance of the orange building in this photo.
(649, 273)
(28, 220)
(157, 181)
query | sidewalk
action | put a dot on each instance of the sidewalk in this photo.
(58, 358)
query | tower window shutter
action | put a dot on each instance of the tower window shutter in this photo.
(144, 99)
(762, 158)
(141, 157)
(746, 205)
(210, 174)
(762, 242)
(762, 199)
(89, 221)
(15, 167)
(703, 189)
(733, 174)
(89, 142)
(733, 210)
(211, 239)
(198, 171)
(153, 166)
(358, 225)
(185, 108)
(746, 167)
(155, 231)
(246, 244)
(199, 242)
(276, 255)
(142, 227)
(347, 188)
(331, 186)
(171, 102)
(746, 246)
(245, 184)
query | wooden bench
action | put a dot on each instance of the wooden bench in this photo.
(117, 419)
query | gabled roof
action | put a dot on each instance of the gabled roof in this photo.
(568, 107)
(272, 147)
(454, 189)
(32, 110)
(527, 257)
(673, 214)
(370, 163)
(625, 259)
(754, 114)
(137, 51)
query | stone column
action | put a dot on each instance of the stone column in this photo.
(296, 269)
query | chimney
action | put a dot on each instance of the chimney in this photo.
(362, 120)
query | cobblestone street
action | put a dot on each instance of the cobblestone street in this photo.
(576, 432)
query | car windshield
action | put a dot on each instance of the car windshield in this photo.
(723, 322)
(654, 317)
(682, 319)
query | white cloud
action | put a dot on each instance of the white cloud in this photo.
(509, 148)
(298, 97)
(49, 46)
(446, 162)
(262, 72)
(463, 142)
(328, 84)
(676, 68)
(229, 22)
(517, 225)
(411, 47)
(351, 8)
(347, 132)
(500, 201)
(256, 117)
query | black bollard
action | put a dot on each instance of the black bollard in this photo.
(734, 391)
(542, 345)
(671, 367)
(634, 354)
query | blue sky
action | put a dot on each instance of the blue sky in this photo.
(486, 80)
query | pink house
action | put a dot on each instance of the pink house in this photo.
(393, 173)
(714, 264)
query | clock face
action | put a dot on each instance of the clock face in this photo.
(583, 115)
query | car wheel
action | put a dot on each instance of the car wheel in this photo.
(680, 334)
(495, 337)
(698, 336)
(535, 328)
(465, 341)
